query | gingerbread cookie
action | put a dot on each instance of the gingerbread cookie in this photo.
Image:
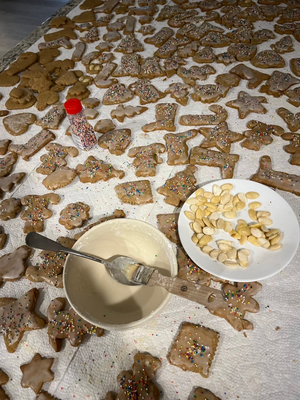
(59, 178)
(22, 62)
(168, 11)
(104, 126)
(146, 158)
(194, 349)
(90, 113)
(130, 65)
(209, 93)
(107, 7)
(53, 118)
(247, 104)
(135, 192)
(3, 238)
(179, 91)
(211, 158)
(289, 15)
(189, 50)
(241, 35)
(268, 59)
(205, 55)
(295, 66)
(10, 208)
(37, 372)
(46, 98)
(59, 22)
(293, 148)
(50, 270)
(204, 394)
(284, 45)
(168, 225)
(78, 51)
(200, 120)
(79, 91)
(47, 55)
(67, 78)
(278, 83)
(13, 265)
(55, 44)
(116, 214)
(94, 170)
(169, 47)
(160, 37)
(254, 77)
(228, 79)
(20, 98)
(189, 271)
(262, 35)
(292, 120)
(7, 80)
(116, 94)
(37, 211)
(55, 157)
(146, 91)
(165, 116)
(24, 319)
(260, 134)
(191, 75)
(66, 324)
(36, 143)
(180, 187)
(146, 29)
(4, 113)
(7, 163)
(294, 96)
(215, 39)
(271, 11)
(103, 20)
(150, 68)
(101, 80)
(178, 152)
(4, 146)
(116, 141)
(225, 58)
(3, 380)
(242, 52)
(129, 44)
(91, 36)
(112, 36)
(129, 111)
(74, 215)
(220, 137)
(91, 102)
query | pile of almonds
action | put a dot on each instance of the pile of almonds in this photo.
(204, 214)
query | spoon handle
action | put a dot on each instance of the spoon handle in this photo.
(37, 241)
(206, 296)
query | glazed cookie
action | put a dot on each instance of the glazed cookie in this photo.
(53, 118)
(104, 20)
(78, 91)
(295, 66)
(209, 93)
(55, 157)
(215, 39)
(205, 55)
(50, 269)
(278, 83)
(102, 78)
(204, 394)
(37, 211)
(211, 158)
(7, 163)
(10, 208)
(150, 68)
(24, 319)
(189, 50)
(130, 66)
(90, 113)
(254, 77)
(116, 214)
(180, 187)
(146, 158)
(3, 380)
(168, 11)
(146, 91)
(107, 7)
(146, 29)
(242, 51)
(168, 225)
(170, 47)
(194, 349)
(74, 215)
(220, 137)
(276, 179)
(59, 178)
(189, 271)
(116, 141)
(4, 146)
(104, 126)
(262, 35)
(121, 112)
(20, 98)
(179, 91)
(91, 36)
(293, 148)
(91, 102)
(37, 372)
(22, 62)
(160, 37)
(78, 51)
(94, 170)
(194, 73)
(225, 58)
(268, 59)
(46, 98)
(129, 44)
(284, 45)
(112, 36)
(165, 116)
(294, 96)
(239, 297)
(292, 120)
(259, 134)
(36, 143)
(289, 15)
(135, 192)
(228, 79)
(247, 104)
(200, 120)
(3, 238)
(241, 35)
(253, 13)
(116, 94)
(13, 265)
(178, 151)
(55, 44)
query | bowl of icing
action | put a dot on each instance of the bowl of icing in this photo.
(96, 296)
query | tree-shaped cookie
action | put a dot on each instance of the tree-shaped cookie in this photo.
(117, 93)
(146, 91)
(239, 300)
(220, 137)
(24, 319)
(37, 372)
(74, 215)
(37, 211)
(129, 44)
(66, 324)
(116, 141)
(50, 269)
(94, 170)
(246, 104)
(294, 147)
(178, 151)
(180, 187)
(13, 265)
(3, 380)
(55, 157)
(147, 158)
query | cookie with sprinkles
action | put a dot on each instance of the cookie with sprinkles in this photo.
(117, 93)
(209, 93)
(243, 34)
(7, 163)
(13, 265)
(292, 120)
(294, 96)
(289, 15)
(74, 215)
(172, 64)
(135, 192)
(168, 225)
(50, 268)
(94, 170)
(146, 158)
(24, 319)
(194, 349)
(160, 37)
(267, 59)
(147, 92)
(189, 50)
(278, 83)
(55, 157)
(220, 115)
(129, 66)
(53, 118)
(215, 39)
(179, 91)
(189, 271)
(225, 58)
(259, 134)
(168, 11)
(121, 112)
(194, 73)
(178, 151)
(116, 141)
(146, 30)
(165, 116)
(3, 380)
(262, 35)
(204, 394)
(246, 104)
(150, 68)
(205, 55)
(220, 137)
(242, 51)
(129, 44)
(66, 324)
(293, 148)
(254, 76)
(180, 187)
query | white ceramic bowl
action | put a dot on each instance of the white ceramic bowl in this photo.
(96, 296)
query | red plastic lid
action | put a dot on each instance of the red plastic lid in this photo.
(73, 106)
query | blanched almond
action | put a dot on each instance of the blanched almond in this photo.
(207, 212)
(242, 197)
(222, 257)
(208, 230)
(253, 240)
(224, 247)
(227, 186)
(214, 254)
(207, 221)
(225, 198)
(228, 226)
(200, 222)
(229, 263)
(230, 214)
(216, 190)
(272, 232)
(197, 227)
(201, 199)
(263, 214)
(199, 192)
(190, 215)
(256, 232)
(229, 242)
(193, 208)
(205, 239)
(240, 205)
(264, 229)
(211, 207)
(214, 215)
(199, 214)
(232, 253)
(252, 215)
(243, 240)
(235, 235)
(192, 200)
(252, 195)
(195, 239)
(242, 257)
(235, 199)
(208, 195)
(220, 223)
(243, 230)
(275, 240)
(215, 200)
(276, 246)
(264, 243)
(206, 249)
(247, 252)
(254, 205)
(242, 222)
(265, 221)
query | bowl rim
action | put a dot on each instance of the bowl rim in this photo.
(144, 320)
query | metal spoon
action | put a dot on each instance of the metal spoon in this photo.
(130, 272)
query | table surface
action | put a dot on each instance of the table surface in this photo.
(263, 363)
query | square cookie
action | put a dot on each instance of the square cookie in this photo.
(194, 348)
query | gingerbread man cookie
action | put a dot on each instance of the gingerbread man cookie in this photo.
(293, 148)
(147, 158)
(55, 157)
(94, 170)
(178, 152)
(13, 265)
(74, 215)
(37, 372)
(259, 134)
(66, 324)
(135, 192)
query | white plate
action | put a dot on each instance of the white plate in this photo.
(263, 263)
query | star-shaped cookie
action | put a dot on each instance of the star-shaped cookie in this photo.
(37, 372)
(247, 104)
(220, 137)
